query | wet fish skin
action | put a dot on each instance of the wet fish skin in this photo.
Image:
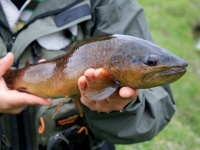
(126, 61)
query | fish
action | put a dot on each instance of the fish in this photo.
(126, 61)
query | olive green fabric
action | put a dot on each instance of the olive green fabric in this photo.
(115, 16)
(3, 50)
(43, 26)
(139, 121)
(143, 118)
(46, 113)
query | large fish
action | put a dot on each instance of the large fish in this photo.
(126, 61)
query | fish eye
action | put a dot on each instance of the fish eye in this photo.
(152, 60)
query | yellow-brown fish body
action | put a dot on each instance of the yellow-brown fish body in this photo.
(129, 61)
(58, 77)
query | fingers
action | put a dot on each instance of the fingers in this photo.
(14, 102)
(127, 92)
(89, 74)
(120, 98)
(82, 83)
(5, 63)
(85, 80)
(117, 101)
(42, 60)
(28, 99)
(89, 103)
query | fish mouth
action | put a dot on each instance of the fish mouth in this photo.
(174, 71)
(166, 72)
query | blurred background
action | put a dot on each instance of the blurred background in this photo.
(175, 25)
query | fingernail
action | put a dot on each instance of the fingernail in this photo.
(48, 101)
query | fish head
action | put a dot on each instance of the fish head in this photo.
(142, 64)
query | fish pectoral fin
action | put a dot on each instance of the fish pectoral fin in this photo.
(22, 89)
(102, 87)
(150, 89)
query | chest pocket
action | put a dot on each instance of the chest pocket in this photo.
(47, 25)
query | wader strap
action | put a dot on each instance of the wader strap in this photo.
(36, 52)
(4, 142)
(27, 129)
(20, 130)
(1, 130)
(21, 134)
(14, 131)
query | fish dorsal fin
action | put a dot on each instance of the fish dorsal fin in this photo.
(102, 87)
(28, 63)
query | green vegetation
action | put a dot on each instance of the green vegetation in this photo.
(171, 25)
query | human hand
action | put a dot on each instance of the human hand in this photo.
(12, 101)
(116, 102)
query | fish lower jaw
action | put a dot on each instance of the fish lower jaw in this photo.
(179, 71)
(174, 70)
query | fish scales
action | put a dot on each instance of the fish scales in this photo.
(127, 61)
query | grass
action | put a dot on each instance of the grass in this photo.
(171, 25)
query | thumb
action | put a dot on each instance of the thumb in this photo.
(127, 92)
(5, 63)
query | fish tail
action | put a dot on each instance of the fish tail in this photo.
(9, 77)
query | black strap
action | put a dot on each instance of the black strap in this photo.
(27, 129)
(18, 3)
(20, 131)
(14, 131)
(1, 134)
(36, 52)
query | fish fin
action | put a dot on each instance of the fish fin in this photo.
(75, 101)
(22, 89)
(9, 76)
(28, 63)
(102, 87)
(78, 106)
(59, 106)
(150, 89)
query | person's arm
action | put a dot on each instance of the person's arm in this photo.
(12, 101)
(144, 117)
